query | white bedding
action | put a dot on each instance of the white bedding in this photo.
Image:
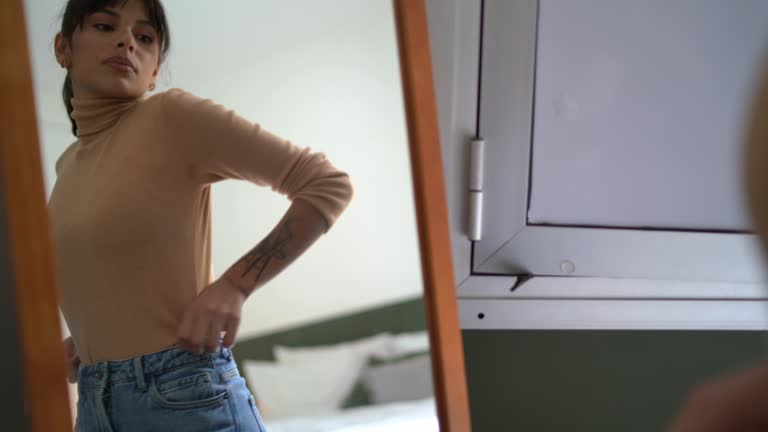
(417, 416)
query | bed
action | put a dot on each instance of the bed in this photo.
(418, 415)
(366, 371)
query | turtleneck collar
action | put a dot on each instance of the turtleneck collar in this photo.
(94, 115)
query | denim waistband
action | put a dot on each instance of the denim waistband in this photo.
(111, 372)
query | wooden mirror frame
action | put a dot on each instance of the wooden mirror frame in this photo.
(40, 335)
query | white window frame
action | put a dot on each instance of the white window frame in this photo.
(511, 245)
(523, 276)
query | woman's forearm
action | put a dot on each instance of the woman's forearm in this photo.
(299, 228)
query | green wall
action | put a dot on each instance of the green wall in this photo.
(593, 381)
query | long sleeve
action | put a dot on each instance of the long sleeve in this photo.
(216, 143)
(131, 211)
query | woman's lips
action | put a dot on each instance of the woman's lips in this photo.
(119, 66)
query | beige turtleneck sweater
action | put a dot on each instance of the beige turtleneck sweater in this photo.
(130, 211)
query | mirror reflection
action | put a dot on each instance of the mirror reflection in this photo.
(232, 215)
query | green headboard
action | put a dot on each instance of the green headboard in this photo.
(399, 317)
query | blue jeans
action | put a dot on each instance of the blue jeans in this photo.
(171, 390)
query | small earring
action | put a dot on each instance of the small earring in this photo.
(152, 87)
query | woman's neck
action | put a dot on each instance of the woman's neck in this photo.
(96, 114)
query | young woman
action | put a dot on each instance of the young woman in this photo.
(130, 213)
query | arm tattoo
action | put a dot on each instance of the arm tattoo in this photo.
(271, 247)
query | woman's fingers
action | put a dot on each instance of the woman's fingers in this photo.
(201, 332)
(231, 331)
(190, 333)
(74, 367)
(72, 370)
(216, 325)
(216, 310)
(72, 359)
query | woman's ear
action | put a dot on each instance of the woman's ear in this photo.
(153, 84)
(62, 51)
(156, 71)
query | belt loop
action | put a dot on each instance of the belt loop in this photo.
(222, 351)
(139, 370)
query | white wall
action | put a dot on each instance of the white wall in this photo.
(326, 78)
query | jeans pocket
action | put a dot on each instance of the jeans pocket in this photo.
(180, 390)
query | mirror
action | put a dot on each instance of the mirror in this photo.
(337, 338)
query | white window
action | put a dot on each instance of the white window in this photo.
(612, 163)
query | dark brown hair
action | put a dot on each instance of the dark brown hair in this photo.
(75, 13)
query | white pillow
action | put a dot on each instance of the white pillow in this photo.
(403, 380)
(410, 343)
(319, 387)
(379, 346)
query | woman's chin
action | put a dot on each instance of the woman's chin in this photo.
(122, 90)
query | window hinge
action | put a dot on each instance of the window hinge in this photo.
(475, 219)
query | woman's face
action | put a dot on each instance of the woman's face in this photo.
(108, 38)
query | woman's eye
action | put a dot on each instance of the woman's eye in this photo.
(102, 27)
(146, 39)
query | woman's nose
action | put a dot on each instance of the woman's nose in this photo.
(126, 39)
(122, 44)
